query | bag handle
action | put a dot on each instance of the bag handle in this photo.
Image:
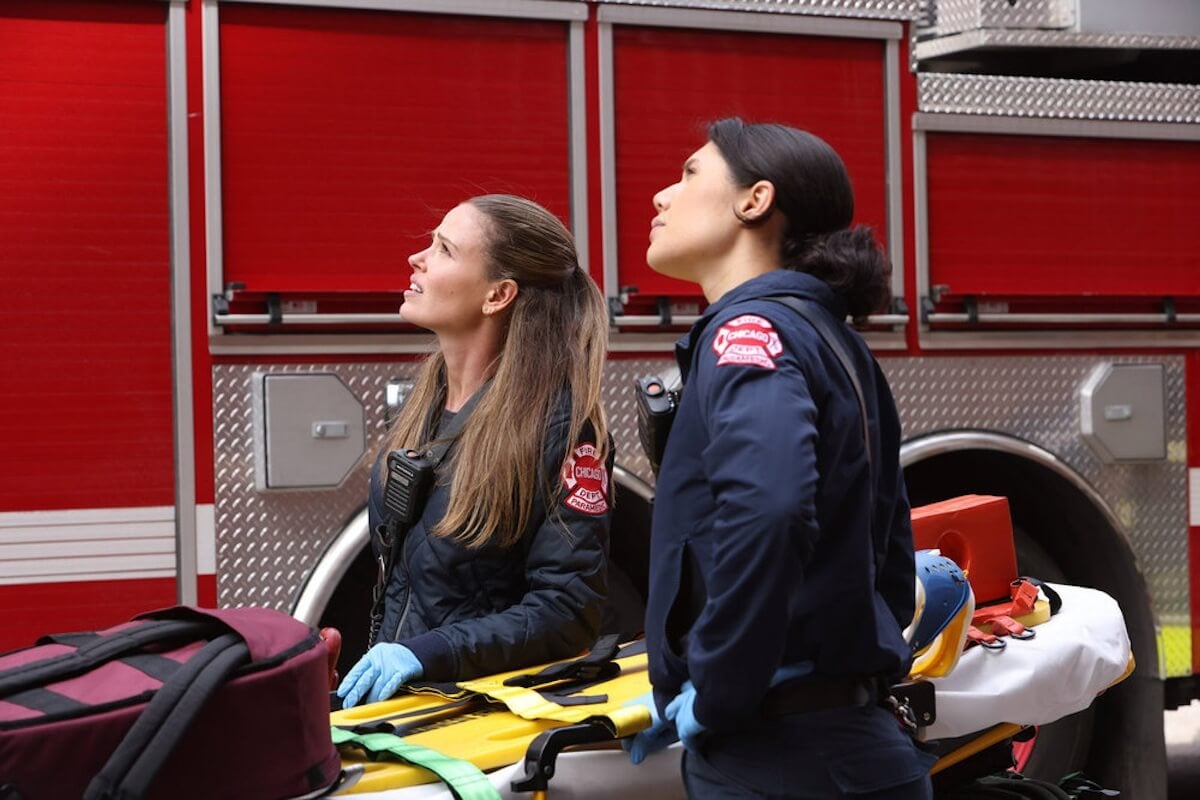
(100, 650)
(153, 737)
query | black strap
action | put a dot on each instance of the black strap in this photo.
(820, 318)
(100, 650)
(598, 663)
(158, 730)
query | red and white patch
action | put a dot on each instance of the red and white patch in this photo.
(586, 481)
(749, 340)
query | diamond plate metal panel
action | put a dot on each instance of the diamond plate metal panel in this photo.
(267, 543)
(945, 17)
(865, 9)
(1054, 98)
(970, 40)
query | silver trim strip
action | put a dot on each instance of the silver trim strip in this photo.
(1050, 339)
(749, 21)
(321, 344)
(624, 320)
(608, 161)
(650, 320)
(1061, 318)
(920, 223)
(874, 9)
(523, 9)
(186, 569)
(925, 447)
(577, 133)
(309, 319)
(892, 76)
(985, 37)
(213, 233)
(1026, 126)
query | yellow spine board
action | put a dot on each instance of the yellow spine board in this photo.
(491, 736)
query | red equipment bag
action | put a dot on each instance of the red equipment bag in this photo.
(177, 703)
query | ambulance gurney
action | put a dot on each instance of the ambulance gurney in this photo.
(1060, 663)
(985, 698)
(178, 703)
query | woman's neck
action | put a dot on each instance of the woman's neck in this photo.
(751, 257)
(469, 365)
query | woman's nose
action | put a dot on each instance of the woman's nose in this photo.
(416, 260)
(662, 198)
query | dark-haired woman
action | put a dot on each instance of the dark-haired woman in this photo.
(781, 555)
(506, 565)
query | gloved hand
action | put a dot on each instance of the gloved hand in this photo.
(379, 673)
(681, 711)
(657, 737)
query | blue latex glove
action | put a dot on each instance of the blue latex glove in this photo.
(657, 737)
(681, 711)
(379, 673)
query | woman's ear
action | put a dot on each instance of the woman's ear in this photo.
(755, 203)
(500, 296)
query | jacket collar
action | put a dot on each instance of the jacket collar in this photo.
(776, 282)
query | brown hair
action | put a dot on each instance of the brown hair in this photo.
(555, 343)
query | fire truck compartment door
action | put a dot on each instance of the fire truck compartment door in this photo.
(309, 431)
(1123, 412)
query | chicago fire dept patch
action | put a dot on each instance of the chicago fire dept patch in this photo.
(586, 481)
(750, 340)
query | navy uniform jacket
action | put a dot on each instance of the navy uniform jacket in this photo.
(761, 554)
(471, 612)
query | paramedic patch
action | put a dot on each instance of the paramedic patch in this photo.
(748, 339)
(586, 481)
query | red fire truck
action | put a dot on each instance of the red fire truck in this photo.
(207, 205)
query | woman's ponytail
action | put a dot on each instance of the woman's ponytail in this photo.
(851, 262)
(813, 192)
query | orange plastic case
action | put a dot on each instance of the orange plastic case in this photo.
(975, 531)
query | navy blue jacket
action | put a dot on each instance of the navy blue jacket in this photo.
(471, 612)
(762, 553)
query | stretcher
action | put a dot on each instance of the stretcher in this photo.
(503, 731)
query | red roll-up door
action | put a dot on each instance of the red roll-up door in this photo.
(347, 134)
(668, 83)
(85, 403)
(86, 472)
(1025, 216)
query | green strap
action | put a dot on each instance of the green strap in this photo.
(465, 780)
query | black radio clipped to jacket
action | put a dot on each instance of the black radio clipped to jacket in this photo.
(656, 406)
(409, 477)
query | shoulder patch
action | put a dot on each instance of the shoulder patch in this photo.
(749, 340)
(586, 481)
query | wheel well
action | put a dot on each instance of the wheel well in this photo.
(1053, 506)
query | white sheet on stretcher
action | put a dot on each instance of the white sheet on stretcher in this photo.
(1073, 657)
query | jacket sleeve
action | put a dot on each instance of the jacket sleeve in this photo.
(565, 576)
(761, 464)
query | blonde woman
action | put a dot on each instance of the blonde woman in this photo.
(504, 565)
